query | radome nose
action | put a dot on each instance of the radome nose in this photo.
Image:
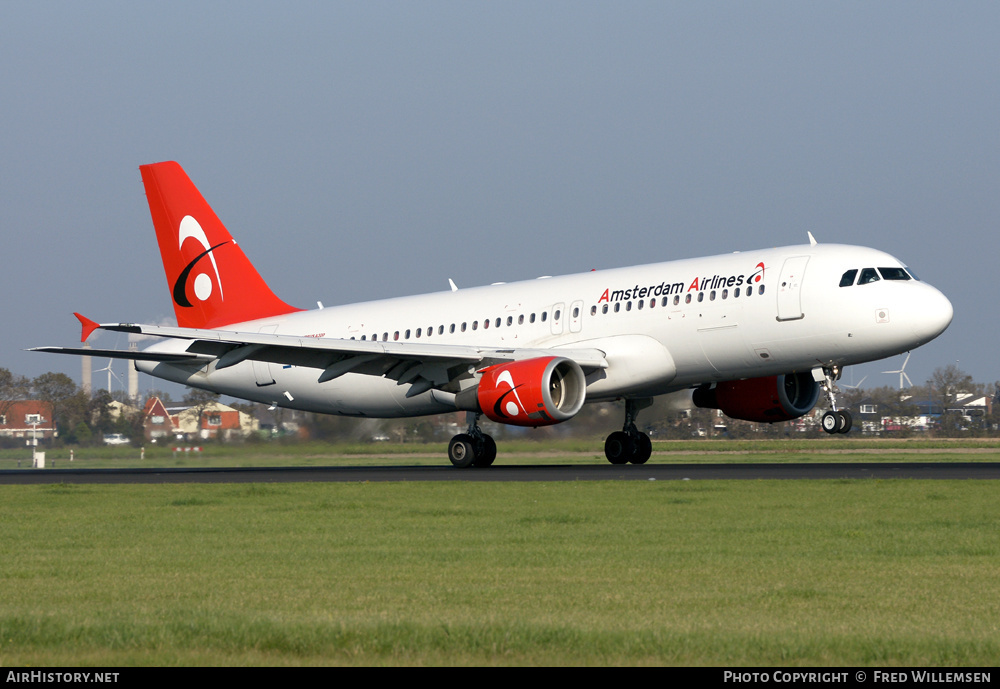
(936, 313)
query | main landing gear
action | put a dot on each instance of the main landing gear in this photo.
(472, 448)
(836, 420)
(629, 444)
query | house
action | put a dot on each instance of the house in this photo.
(975, 409)
(213, 420)
(157, 421)
(27, 419)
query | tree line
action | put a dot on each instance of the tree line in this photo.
(82, 419)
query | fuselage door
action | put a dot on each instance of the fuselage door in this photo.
(576, 316)
(790, 288)
(558, 314)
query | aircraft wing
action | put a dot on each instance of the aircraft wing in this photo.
(166, 357)
(422, 365)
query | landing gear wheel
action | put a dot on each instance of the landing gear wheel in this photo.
(643, 449)
(461, 451)
(619, 448)
(487, 452)
(837, 421)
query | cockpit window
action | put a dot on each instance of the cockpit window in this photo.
(912, 274)
(868, 275)
(893, 274)
(848, 278)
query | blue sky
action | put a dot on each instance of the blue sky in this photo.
(366, 150)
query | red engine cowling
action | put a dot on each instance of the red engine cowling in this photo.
(534, 392)
(774, 398)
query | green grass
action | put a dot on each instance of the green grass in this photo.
(592, 573)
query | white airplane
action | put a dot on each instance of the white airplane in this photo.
(756, 334)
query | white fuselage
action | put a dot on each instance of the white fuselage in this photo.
(662, 327)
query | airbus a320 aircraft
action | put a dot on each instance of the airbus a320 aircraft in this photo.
(756, 334)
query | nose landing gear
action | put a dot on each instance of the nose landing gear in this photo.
(835, 420)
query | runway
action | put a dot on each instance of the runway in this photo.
(548, 472)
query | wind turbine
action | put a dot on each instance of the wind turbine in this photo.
(854, 387)
(110, 373)
(902, 373)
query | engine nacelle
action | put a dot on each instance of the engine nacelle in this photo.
(533, 392)
(774, 398)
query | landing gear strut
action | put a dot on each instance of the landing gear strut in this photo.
(472, 448)
(628, 444)
(835, 420)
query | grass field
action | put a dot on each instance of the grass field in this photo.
(592, 573)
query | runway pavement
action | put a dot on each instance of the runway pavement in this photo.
(548, 472)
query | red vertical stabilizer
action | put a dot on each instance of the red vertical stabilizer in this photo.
(212, 282)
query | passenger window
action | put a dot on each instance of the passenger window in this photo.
(760, 290)
(593, 310)
(687, 298)
(736, 292)
(847, 279)
(604, 309)
(701, 296)
(868, 275)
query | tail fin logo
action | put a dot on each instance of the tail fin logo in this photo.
(203, 284)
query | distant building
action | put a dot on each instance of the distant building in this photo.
(26, 419)
(214, 420)
(157, 421)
